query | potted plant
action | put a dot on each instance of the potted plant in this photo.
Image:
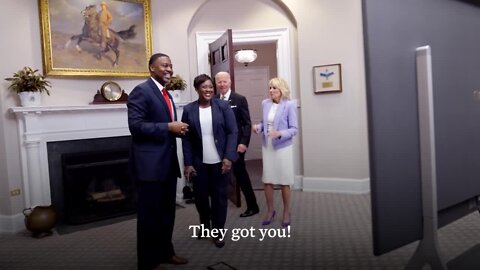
(29, 85)
(177, 83)
(175, 86)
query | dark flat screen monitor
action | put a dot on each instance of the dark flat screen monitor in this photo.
(392, 31)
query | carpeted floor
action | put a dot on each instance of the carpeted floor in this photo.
(329, 231)
(254, 168)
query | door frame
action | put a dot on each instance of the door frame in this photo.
(281, 36)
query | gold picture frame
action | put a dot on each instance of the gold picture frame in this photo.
(75, 43)
(327, 78)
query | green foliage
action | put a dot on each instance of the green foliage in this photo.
(28, 80)
(177, 83)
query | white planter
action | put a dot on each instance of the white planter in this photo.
(30, 99)
(176, 95)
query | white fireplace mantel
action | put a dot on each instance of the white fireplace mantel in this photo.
(39, 125)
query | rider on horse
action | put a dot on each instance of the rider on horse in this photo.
(104, 20)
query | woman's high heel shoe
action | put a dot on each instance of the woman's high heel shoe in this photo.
(287, 223)
(268, 221)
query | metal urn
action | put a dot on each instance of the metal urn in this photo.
(40, 220)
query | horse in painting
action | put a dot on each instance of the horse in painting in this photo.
(90, 33)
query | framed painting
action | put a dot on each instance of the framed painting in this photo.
(96, 38)
(327, 78)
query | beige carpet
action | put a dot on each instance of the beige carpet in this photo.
(329, 231)
(254, 168)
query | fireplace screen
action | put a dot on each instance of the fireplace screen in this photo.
(96, 186)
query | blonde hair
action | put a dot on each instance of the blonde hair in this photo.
(281, 85)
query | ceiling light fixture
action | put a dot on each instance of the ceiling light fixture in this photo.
(245, 56)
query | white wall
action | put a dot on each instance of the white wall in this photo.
(4, 198)
(21, 47)
(334, 126)
(18, 50)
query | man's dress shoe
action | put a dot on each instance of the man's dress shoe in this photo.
(177, 260)
(249, 212)
(219, 243)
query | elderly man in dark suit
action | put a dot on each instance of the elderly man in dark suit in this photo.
(239, 105)
(154, 164)
(209, 149)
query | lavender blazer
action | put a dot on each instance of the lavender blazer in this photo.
(285, 121)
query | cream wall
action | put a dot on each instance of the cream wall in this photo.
(334, 126)
(17, 51)
(21, 47)
(334, 130)
(4, 186)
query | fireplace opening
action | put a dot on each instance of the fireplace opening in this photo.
(97, 186)
(89, 180)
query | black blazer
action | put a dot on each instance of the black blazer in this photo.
(239, 105)
(154, 149)
(224, 132)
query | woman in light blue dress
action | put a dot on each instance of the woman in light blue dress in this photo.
(278, 126)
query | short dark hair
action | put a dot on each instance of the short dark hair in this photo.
(155, 57)
(200, 79)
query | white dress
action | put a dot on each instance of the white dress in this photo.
(277, 164)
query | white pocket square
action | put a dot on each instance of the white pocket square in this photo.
(233, 106)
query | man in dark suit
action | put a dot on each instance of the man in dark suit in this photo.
(154, 164)
(239, 105)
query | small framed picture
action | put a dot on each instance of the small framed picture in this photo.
(327, 78)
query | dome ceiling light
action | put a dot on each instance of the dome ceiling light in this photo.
(245, 56)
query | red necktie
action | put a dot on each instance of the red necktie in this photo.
(167, 100)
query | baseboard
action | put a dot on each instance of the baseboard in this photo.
(336, 185)
(297, 182)
(179, 198)
(12, 224)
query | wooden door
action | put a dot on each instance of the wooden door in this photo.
(252, 82)
(221, 58)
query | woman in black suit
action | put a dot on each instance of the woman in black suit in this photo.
(209, 148)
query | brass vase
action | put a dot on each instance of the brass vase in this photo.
(40, 220)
